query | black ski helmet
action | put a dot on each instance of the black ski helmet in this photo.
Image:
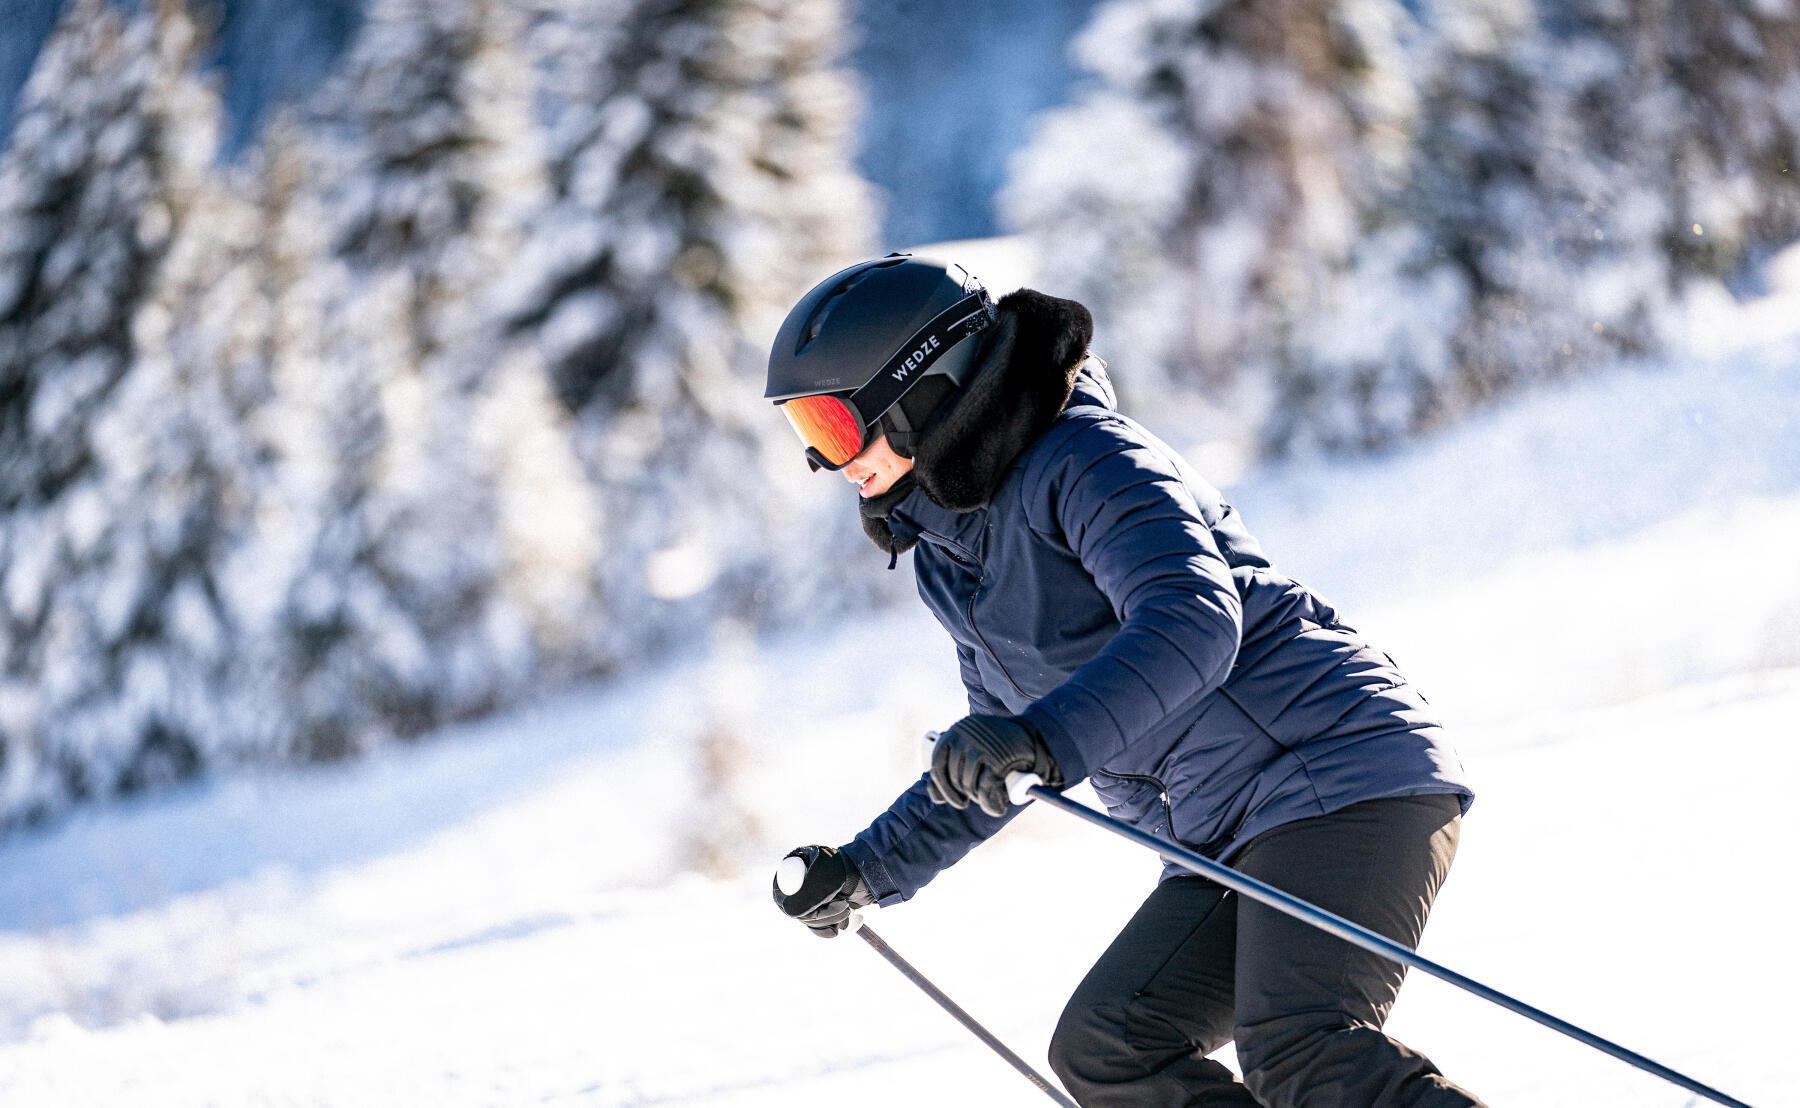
(905, 315)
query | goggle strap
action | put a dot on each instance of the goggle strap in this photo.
(968, 316)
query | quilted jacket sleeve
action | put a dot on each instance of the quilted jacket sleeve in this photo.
(1120, 504)
(914, 840)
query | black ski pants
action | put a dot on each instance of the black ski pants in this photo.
(1198, 966)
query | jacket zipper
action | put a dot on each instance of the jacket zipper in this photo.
(989, 649)
(975, 563)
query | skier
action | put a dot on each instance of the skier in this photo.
(1115, 621)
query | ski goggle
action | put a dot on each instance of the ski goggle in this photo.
(829, 428)
(835, 428)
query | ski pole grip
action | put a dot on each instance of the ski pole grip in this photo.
(790, 875)
(925, 746)
(1019, 785)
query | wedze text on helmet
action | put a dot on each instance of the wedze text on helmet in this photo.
(917, 357)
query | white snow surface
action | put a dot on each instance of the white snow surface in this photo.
(1597, 584)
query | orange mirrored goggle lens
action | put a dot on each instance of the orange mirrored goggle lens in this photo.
(826, 424)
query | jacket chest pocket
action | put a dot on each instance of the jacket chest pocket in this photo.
(953, 576)
(958, 552)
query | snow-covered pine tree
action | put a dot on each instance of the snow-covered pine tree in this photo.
(1708, 100)
(236, 317)
(111, 634)
(1579, 163)
(185, 464)
(700, 166)
(395, 619)
(1455, 290)
(1566, 245)
(1516, 219)
(1207, 194)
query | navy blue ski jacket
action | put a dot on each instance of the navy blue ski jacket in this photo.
(1111, 597)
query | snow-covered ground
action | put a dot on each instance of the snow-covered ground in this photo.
(1599, 585)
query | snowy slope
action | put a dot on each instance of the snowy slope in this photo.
(1598, 585)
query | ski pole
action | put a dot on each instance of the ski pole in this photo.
(882, 948)
(792, 874)
(1023, 786)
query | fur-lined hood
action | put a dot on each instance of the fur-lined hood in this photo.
(1032, 358)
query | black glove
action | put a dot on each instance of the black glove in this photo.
(971, 760)
(832, 890)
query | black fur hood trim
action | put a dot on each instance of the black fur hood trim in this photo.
(1021, 384)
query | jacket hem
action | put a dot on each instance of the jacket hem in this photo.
(1254, 827)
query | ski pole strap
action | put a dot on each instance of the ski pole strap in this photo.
(1358, 935)
(882, 948)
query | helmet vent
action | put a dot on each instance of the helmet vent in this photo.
(816, 322)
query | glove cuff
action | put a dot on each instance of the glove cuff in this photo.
(1043, 762)
(858, 894)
